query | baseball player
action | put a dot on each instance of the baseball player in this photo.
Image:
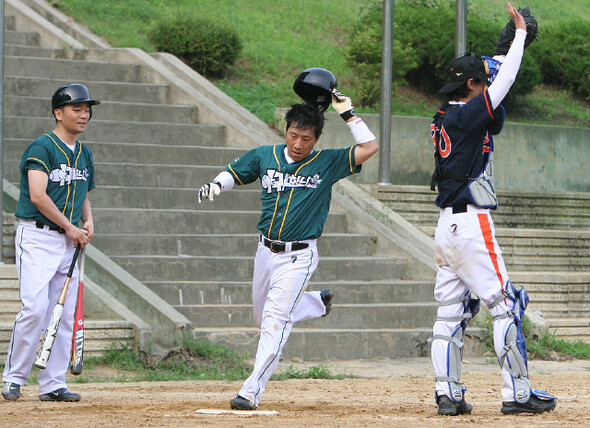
(466, 250)
(296, 182)
(56, 174)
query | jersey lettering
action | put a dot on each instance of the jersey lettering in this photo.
(65, 175)
(278, 181)
(486, 144)
(444, 143)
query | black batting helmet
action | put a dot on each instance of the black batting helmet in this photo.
(315, 86)
(73, 93)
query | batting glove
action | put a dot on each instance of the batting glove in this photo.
(209, 191)
(342, 105)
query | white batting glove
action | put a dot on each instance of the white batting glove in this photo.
(209, 191)
(342, 104)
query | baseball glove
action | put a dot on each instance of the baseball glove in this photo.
(507, 34)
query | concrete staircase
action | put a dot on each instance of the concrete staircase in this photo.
(100, 330)
(545, 239)
(151, 155)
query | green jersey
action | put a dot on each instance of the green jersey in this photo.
(71, 177)
(295, 196)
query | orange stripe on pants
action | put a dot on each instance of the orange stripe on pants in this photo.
(486, 230)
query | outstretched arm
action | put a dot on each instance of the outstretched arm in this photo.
(366, 142)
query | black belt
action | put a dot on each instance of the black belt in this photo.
(459, 209)
(54, 228)
(279, 247)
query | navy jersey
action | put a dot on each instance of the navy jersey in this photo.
(295, 197)
(70, 177)
(464, 146)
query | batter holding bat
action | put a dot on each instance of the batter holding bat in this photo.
(57, 172)
(296, 184)
(466, 251)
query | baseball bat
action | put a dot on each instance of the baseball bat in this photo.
(78, 334)
(46, 344)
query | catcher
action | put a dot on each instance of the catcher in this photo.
(466, 251)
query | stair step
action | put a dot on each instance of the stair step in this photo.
(137, 152)
(161, 221)
(342, 316)
(21, 38)
(169, 197)
(36, 51)
(353, 292)
(71, 70)
(126, 132)
(154, 268)
(38, 106)
(324, 344)
(107, 91)
(331, 244)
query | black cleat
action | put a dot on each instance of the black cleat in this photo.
(240, 403)
(326, 296)
(11, 391)
(448, 407)
(534, 405)
(61, 394)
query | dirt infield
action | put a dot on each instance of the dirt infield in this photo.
(391, 393)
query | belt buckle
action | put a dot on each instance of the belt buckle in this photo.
(275, 247)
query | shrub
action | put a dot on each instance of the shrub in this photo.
(208, 47)
(564, 54)
(424, 45)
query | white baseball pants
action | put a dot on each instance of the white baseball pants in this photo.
(468, 258)
(43, 258)
(280, 299)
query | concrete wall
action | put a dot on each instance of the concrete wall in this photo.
(527, 157)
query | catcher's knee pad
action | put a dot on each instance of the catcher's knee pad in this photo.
(513, 357)
(455, 346)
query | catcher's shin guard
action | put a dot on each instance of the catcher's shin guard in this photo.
(513, 357)
(455, 346)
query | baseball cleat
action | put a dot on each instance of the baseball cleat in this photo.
(326, 296)
(240, 403)
(11, 391)
(448, 407)
(61, 394)
(534, 405)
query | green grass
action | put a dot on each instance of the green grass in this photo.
(545, 347)
(192, 359)
(281, 38)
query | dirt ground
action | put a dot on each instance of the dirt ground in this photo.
(386, 393)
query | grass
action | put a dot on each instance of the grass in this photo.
(192, 359)
(280, 39)
(546, 347)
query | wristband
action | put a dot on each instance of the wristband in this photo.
(360, 131)
(347, 114)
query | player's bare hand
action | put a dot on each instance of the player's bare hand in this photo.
(342, 104)
(517, 17)
(78, 236)
(209, 191)
(88, 227)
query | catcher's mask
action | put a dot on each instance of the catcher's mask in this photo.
(462, 69)
(73, 93)
(315, 86)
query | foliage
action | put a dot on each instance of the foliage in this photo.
(423, 47)
(207, 46)
(279, 40)
(314, 372)
(564, 55)
(544, 347)
(364, 51)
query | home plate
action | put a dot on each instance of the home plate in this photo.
(246, 413)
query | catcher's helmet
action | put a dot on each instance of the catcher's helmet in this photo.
(68, 94)
(315, 86)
